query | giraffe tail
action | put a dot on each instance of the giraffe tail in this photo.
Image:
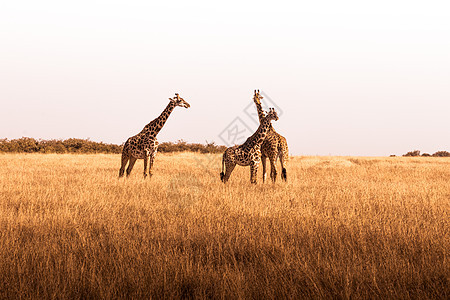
(283, 159)
(222, 174)
(284, 174)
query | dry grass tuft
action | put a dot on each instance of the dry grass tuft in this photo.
(341, 227)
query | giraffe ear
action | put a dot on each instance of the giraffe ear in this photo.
(171, 99)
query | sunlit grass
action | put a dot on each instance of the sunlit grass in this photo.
(347, 227)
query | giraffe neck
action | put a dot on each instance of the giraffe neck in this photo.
(155, 126)
(258, 137)
(260, 111)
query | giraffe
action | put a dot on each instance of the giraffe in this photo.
(273, 147)
(249, 153)
(144, 145)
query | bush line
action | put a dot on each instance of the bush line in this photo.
(85, 146)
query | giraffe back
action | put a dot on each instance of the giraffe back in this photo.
(274, 145)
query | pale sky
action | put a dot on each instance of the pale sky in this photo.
(350, 77)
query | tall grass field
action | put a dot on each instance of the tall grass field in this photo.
(341, 227)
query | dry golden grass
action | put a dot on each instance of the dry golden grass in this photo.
(342, 227)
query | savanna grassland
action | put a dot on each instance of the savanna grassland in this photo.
(342, 227)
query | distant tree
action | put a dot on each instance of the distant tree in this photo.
(412, 153)
(426, 155)
(442, 154)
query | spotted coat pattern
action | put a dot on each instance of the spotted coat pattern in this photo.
(249, 153)
(274, 146)
(144, 145)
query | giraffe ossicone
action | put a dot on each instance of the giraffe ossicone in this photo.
(144, 145)
(249, 153)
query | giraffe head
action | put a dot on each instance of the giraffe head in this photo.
(178, 101)
(257, 97)
(272, 115)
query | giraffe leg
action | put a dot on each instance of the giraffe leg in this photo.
(131, 165)
(253, 172)
(229, 167)
(273, 168)
(145, 166)
(152, 160)
(125, 160)
(264, 171)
